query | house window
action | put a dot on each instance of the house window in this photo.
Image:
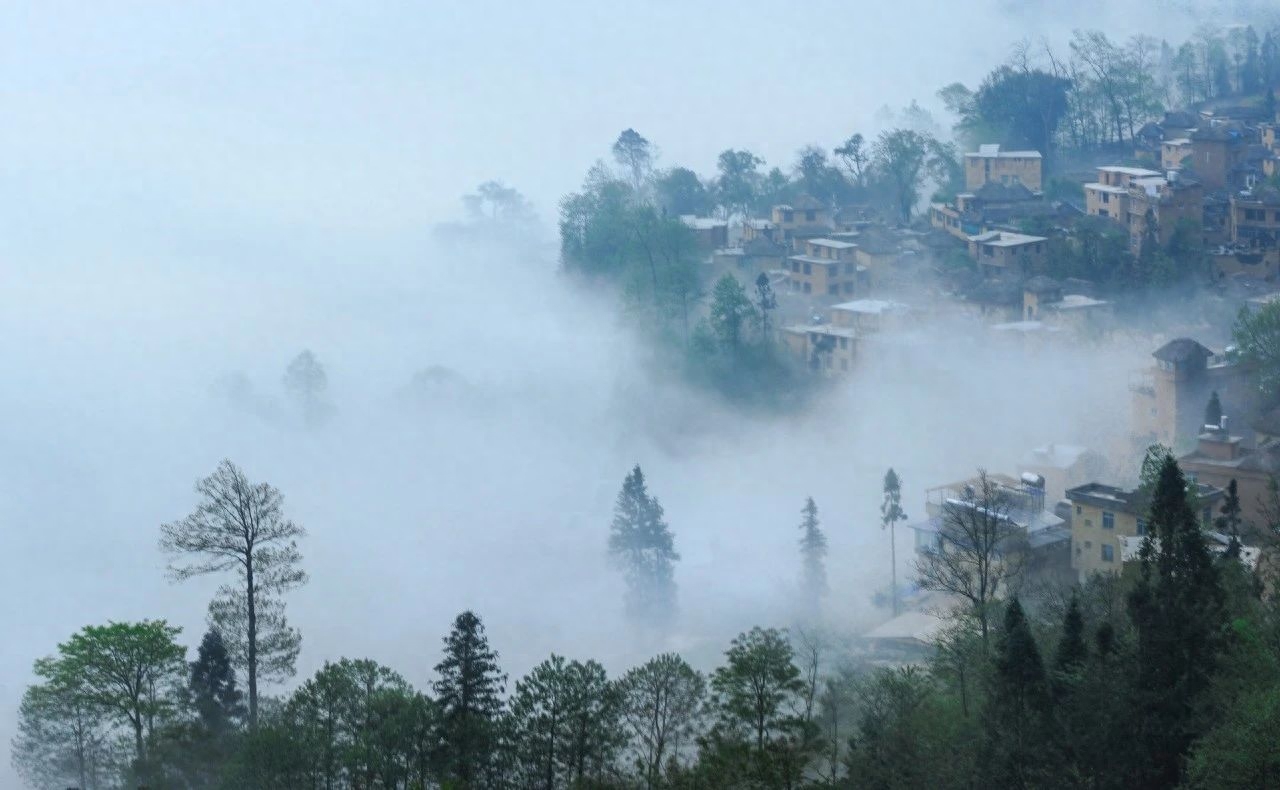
(848, 288)
(808, 269)
(1088, 522)
(987, 251)
(1142, 527)
(788, 216)
(1106, 198)
(844, 342)
(1108, 553)
(810, 215)
(848, 268)
(1079, 510)
(808, 288)
(1088, 544)
(1108, 520)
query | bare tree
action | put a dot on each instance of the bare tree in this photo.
(239, 526)
(980, 549)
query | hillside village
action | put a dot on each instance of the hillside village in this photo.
(1042, 249)
(1093, 228)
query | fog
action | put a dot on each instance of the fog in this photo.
(197, 191)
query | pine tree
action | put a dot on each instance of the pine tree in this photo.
(469, 694)
(890, 514)
(766, 302)
(641, 544)
(1213, 410)
(217, 702)
(1228, 523)
(1016, 712)
(1177, 610)
(1072, 651)
(813, 553)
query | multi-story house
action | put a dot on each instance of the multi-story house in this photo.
(1216, 150)
(1158, 204)
(1109, 523)
(804, 218)
(827, 349)
(1109, 195)
(990, 164)
(1169, 398)
(828, 268)
(1011, 511)
(998, 252)
(1220, 457)
(1174, 152)
(1255, 219)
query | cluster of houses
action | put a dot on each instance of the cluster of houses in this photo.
(1065, 515)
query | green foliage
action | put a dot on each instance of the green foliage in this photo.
(63, 740)
(758, 736)
(1257, 336)
(1017, 716)
(813, 555)
(680, 191)
(469, 695)
(661, 705)
(1022, 106)
(1177, 610)
(731, 313)
(909, 734)
(565, 725)
(738, 183)
(641, 543)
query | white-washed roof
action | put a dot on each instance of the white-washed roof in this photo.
(833, 244)
(992, 151)
(702, 223)
(1136, 172)
(1004, 238)
(921, 627)
(870, 306)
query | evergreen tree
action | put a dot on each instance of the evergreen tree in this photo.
(640, 542)
(1072, 651)
(1213, 410)
(813, 553)
(214, 696)
(1017, 731)
(1229, 520)
(1177, 611)
(731, 312)
(766, 302)
(469, 695)
(890, 514)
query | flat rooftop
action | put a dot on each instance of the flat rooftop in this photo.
(871, 306)
(1004, 238)
(1096, 187)
(833, 244)
(1136, 172)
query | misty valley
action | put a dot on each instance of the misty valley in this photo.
(398, 402)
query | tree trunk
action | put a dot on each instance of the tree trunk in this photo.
(253, 644)
(893, 571)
